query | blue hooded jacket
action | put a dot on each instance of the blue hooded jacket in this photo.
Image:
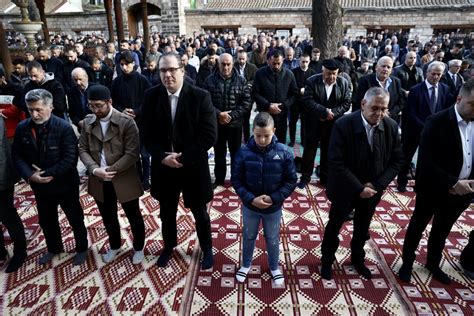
(270, 171)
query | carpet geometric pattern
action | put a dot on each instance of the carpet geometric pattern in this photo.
(120, 287)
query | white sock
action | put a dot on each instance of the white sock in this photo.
(138, 257)
(278, 278)
(242, 274)
(110, 255)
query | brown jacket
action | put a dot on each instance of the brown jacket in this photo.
(121, 146)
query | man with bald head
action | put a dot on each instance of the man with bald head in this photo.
(231, 98)
(382, 78)
(77, 96)
(408, 73)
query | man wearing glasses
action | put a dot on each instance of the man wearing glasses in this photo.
(179, 127)
(109, 148)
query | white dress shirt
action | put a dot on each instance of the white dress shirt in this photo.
(466, 130)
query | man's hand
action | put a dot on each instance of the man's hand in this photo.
(172, 160)
(36, 177)
(224, 118)
(259, 202)
(462, 187)
(103, 173)
(367, 193)
(2, 115)
(302, 91)
(268, 199)
(274, 108)
(80, 124)
(130, 112)
(330, 116)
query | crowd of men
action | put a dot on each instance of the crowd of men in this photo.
(147, 119)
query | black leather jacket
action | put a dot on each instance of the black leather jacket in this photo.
(401, 72)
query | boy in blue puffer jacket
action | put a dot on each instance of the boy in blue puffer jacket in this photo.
(263, 175)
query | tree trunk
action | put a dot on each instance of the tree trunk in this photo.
(40, 5)
(5, 57)
(110, 23)
(119, 19)
(327, 26)
(146, 29)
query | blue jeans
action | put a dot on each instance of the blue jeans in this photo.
(271, 231)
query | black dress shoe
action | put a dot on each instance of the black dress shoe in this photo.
(405, 273)
(207, 260)
(3, 255)
(401, 188)
(326, 272)
(363, 270)
(302, 184)
(164, 258)
(15, 263)
(439, 275)
(350, 216)
(216, 184)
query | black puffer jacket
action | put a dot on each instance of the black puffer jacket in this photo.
(237, 99)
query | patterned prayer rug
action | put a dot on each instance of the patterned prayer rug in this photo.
(182, 288)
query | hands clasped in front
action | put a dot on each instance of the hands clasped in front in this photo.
(462, 187)
(172, 160)
(262, 202)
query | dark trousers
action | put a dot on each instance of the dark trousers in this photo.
(168, 210)
(409, 145)
(364, 210)
(321, 136)
(281, 124)
(12, 221)
(295, 111)
(143, 165)
(445, 211)
(467, 255)
(226, 135)
(108, 210)
(246, 126)
(47, 205)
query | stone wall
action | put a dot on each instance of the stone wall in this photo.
(419, 21)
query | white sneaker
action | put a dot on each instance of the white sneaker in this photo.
(278, 277)
(110, 255)
(138, 257)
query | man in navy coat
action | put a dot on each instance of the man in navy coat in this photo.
(421, 104)
(444, 181)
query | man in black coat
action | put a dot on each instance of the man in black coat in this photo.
(128, 91)
(74, 62)
(301, 73)
(444, 181)
(382, 78)
(408, 73)
(39, 79)
(274, 91)
(247, 71)
(365, 155)
(326, 98)
(231, 98)
(179, 126)
(45, 154)
(50, 64)
(452, 78)
(77, 97)
(420, 105)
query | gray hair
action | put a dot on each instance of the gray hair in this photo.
(436, 64)
(376, 92)
(453, 62)
(39, 95)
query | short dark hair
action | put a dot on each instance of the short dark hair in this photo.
(263, 119)
(277, 54)
(467, 88)
(126, 56)
(34, 64)
(211, 52)
(42, 47)
(18, 61)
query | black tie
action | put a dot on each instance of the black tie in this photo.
(454, 80)
(433, 99)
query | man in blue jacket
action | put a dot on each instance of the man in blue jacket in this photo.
(45, 153)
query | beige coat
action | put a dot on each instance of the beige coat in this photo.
(121, 146)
